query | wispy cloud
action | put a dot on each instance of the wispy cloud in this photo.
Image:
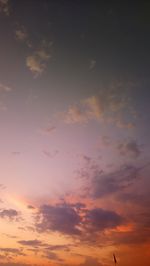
(48, 130)
(37, 61)
(3, 107)
(11, 263)
(50, 255)
(91, 261)
(129, 148)
(5, 88)
(11, 214)
(92, 64)
(107, 106)
(33, 243)
(21, 34)
(5, 7)
(12, 251)
(50, 154)
(99, 184)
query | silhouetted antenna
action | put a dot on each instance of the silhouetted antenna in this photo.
(115, 261)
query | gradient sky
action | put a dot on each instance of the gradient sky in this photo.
(74, 138)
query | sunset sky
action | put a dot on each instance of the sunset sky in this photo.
(74, 136)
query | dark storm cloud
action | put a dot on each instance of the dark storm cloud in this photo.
(99, 219)
(11, 214)
(62, 218)
(76, 221)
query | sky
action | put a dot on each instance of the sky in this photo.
(74, 138)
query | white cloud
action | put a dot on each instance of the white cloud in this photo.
(3, 107)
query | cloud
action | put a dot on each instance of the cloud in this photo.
(48, 130)
(5, 88)
(75, 114)
(15, 264)
(113, 182)
(21, 34)
(10, 236)
(107, 106)
(75, 221)
(129, 148)
(4, 7)
(11, 214)
(3, 107)
(59, 247)
(120, 123)
(90, 108)
(99, 219)
(91, 261)
(11, 251)
(92, 64)
(37, 62)
(61, 218)
(139, 234)
(94, 106)
(46, 249)
(106, 140)
(51, 256)
(33, 243)
(30, 207)
(101, 184)
(2, 186)
(50, 154)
